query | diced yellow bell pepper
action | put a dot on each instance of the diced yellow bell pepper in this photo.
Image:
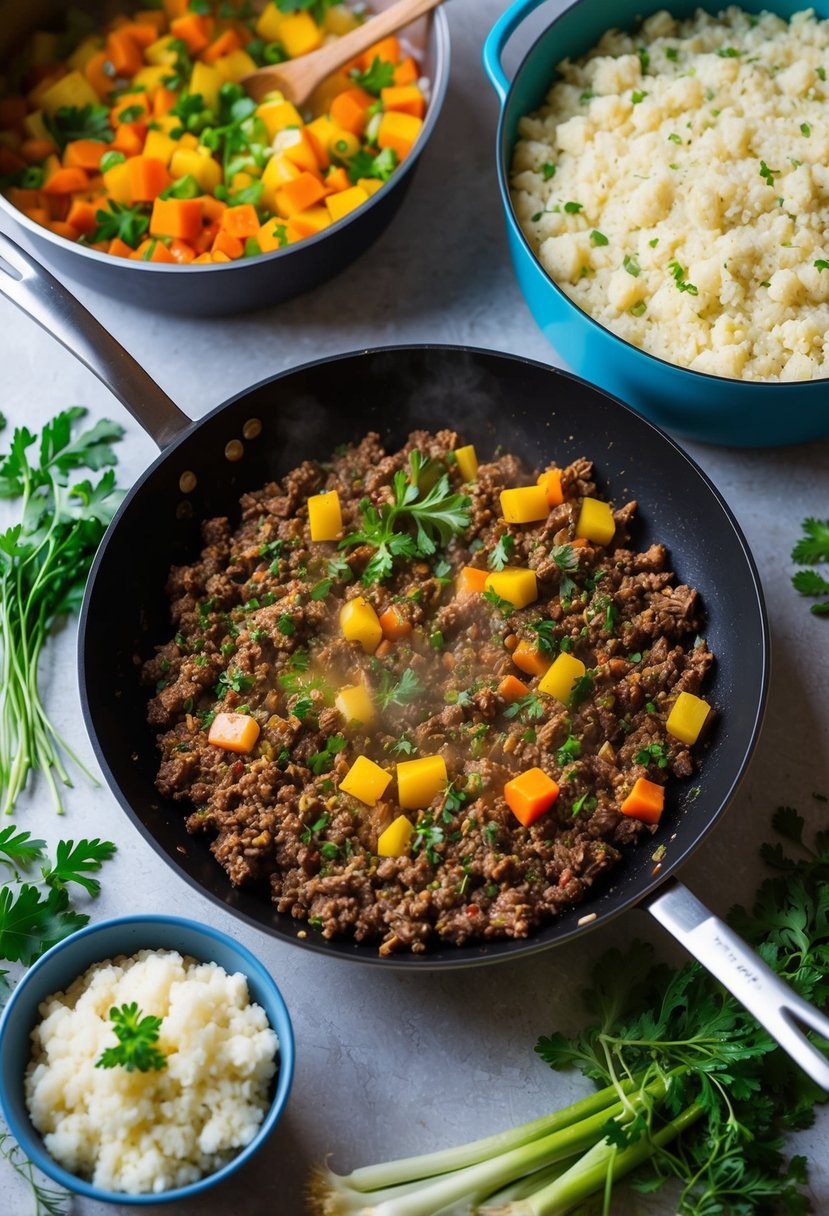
(596, 521)
(234, 732)
(345, 201)
(235, 66)
(365, 780)
(35, 127)
(394, 842)
(73, 89)
(561, 676)
(272, 235)
(207, 80)
(359, 623)
(517, 585)
(355, 704)
(687, 717)
(151, 78)
(269, 23)
(299, 34)
(206, 171)
(524, 505)
(325, 516)
(418, 781)
(277, 115)
(159, 146)
(162, 51)
(467, 462)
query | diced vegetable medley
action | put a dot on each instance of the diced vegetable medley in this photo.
(139, 140)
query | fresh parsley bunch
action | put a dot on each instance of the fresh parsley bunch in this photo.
(811, 550)
(44, 560)
(137, 1035)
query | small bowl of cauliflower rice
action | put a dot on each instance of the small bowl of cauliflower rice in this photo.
(144, 1059)
(665, 177)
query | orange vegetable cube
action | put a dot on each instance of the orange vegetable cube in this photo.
(61, 228)
(550, 483)
(418, 781)
(529, 659)
(406, 72)
(97, 77)
(234, 732)
(152, 17)
(124, 53)
(295, 146)
(530, 795)
(345, 201)
(471, 581)
(325, 518)
(119, 248)
(337, 180)
(359, 623)
(194, 31)
(561, 676)
(393, 625)
(349, 110)
(524, 504)
(227, 42)
(299, 34)
(129, 139)
(241, 221)
(399, 132)
(34, 150)
(230, 246)
(176, 217)
(646, 801)
(181, 252)
(512, 689)
(147, 178)
(387, 50)
(394, 841)
(81, 215)
(66, 181)
(307, 223)
(405, 98)
(84, 154)
(297, 195)
(152, 250)
(366, 780)
(467, 461)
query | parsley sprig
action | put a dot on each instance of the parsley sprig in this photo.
(811, 550)
(137, 1036)
(80, 122)
(430, 519)
(379, 75)
(123, 222)
(401, 692)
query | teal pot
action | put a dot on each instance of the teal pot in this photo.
(712, 409)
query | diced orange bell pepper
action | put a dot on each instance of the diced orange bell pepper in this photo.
(512, 689)
(337, 179)
(399, 132)
(95, 72)
(299, 194)
(529, 659)
(471, 580)
(119, 248)
(152, 250)
(181, 252)
(124, 53)
(129, 139)
(393, 625)
(530, 795)
(406, 72)
(646, 801)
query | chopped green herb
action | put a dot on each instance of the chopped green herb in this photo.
(598, 238)
(136, 1037)
(638, 95)
(323, 761)
(678, 273)
(573, 208)
(631, 265)
(500, 555)
(805, 129)
(408, 688)
(321, 589)
(548, 170)
(498, 602)
(653, 754)
(766, 173)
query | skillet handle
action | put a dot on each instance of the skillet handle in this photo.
(775, 1005)
(497, 39)
(39, 294)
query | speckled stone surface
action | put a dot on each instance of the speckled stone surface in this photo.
(388, 1063)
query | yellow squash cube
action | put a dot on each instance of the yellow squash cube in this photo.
(394, 842)
(418, 781)
(159, 146)
(277, 115)
(687, 717)
(359, 623)
(325, 516)
(73, 89)
(269, 23)
(596, 522)
(518, 586)
(344, 201)
(207, 171)
(340, 20)
(235, 66)
(162, 51)
(370, 184)
(467, 462)
(276, 173)
(118, 183)
(560, 677)
(299, 34)
(151, 78)
(272, 235)
(234, 732)
(524, 505)
(355, 704)
(365, 780)
(207, 80)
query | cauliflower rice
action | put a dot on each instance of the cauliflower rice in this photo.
(142, 1132)
(676, 186)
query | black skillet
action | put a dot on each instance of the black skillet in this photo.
(493, 399)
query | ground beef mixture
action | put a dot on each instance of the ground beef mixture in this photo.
(257, 631)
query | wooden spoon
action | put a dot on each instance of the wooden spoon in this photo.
(298, 78)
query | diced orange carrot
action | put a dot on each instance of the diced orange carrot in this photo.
(387, 50)
(530, 795)
(234, 732)
(241, 221)
(152, 17)
(194, 31)
(406, 98)
(95, 71)
(65, 181)
(129, 138)
(336, 180)
(529, 659)
(81, 215)
(176, 217)
(204, 242)
(124, 53)
(119, 248)
(646, 801)
(83, 154)
(399, 132)
(512, 689)
(384, 648)
(551, 481)
(138, 104)
(141, 32)
(349, 110)
(12, 112)
(181, 252)
(147, 178)
(303, 192)
(152, 250)
(226, 42)
(163, 101)
(34, 150)
(471, 580)
(225, 243)
(61, 228)
(393, 625)
(211, 208)
(406, 72)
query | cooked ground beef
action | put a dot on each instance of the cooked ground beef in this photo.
(257, 631)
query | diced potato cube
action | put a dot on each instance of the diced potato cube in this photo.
(530, 795)
(561, 676)
(525, 504)
(73, 89)
(325, 516)
(596, 521)
(359, 623)
(394, 842)
(467, 462)
(355, 704)
(418, 781)
(518, 586)
(365, 780)
(234, 732)
(344, 201)
(299, 34)
(687, 717)
(118, 183)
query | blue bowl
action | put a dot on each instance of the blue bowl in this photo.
(69, 959)
(712, 409)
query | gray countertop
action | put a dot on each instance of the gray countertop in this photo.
(390, 1064)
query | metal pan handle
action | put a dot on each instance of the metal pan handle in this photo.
(39, 294)
(775, 1005)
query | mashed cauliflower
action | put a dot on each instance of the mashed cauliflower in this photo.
(151, 1131)
(676, 186)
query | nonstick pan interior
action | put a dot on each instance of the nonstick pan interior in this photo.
(495, 401)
